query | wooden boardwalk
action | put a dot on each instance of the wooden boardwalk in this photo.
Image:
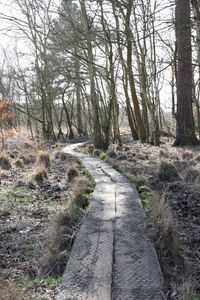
(112, 257)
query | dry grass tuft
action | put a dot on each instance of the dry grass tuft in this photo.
(61, 235)
(5, 162)
(168, 245)
(79, 189)
(39, 175)
(167, 242)
(73, 171)
(167, 172)
(43, 159)
(58, 245)
(163, 154)
(10, 291)
(61, 155)
(187, 155)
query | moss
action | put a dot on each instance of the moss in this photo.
(102, 155)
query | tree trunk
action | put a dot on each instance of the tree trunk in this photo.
(185, 134)
(128, 108)
(78, 94)
(138, 117)
(196, 13)
(97, 135)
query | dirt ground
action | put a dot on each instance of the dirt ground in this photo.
(179, 248)
(26, 214)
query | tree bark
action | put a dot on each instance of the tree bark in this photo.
(185, 134)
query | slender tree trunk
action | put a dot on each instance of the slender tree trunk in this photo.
(69, 123)
(97, 135)
(128, 109)
(78, 94)
(139, 121)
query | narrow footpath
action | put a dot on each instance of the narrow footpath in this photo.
(112, 257)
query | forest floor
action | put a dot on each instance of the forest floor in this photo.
(27, 210)
(168, 181)
(28, 214)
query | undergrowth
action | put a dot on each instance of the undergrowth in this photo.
(60, 237)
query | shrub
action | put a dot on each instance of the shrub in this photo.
(5, 162)
(167, 172)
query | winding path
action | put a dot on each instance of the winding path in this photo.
(112, 257)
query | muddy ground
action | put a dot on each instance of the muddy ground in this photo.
(178, 247)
